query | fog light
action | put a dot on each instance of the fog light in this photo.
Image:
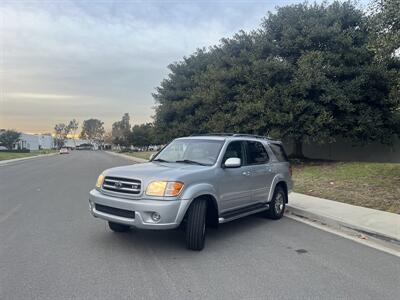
(155, 216)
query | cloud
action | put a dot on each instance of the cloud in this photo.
(40, 96)
(77, 59)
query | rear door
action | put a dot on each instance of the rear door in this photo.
(281, 164)
(261, 172)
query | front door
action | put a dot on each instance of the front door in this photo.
(261, 174)
(235, 187)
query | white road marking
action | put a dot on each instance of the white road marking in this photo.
(10, 213)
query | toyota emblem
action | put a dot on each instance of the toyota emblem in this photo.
(118, 185)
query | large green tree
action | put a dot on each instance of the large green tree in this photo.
(307, 74)
(335, 87)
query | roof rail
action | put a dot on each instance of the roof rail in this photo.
(252, 135)
(235, 135)
(213, 134)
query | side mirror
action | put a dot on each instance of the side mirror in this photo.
(233, 162)
(152, 156)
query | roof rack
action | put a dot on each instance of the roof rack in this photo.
(213, 134)
(234, 135)
(252, 135)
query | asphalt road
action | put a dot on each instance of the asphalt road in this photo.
(52, 248)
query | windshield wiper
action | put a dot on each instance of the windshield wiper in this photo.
(161, 160)
(188, 161)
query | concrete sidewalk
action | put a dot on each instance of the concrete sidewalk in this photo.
(376, 223)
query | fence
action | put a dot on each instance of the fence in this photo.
(345, 150)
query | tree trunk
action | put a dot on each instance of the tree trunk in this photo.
(298, 149)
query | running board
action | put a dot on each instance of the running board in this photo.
(246, 211)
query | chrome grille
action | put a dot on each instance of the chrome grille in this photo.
(122, 185)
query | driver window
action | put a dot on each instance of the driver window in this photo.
(234, 149)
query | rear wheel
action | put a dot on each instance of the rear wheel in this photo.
(116, 227)
(196, 225)
(277, 204)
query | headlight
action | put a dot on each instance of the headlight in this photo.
(164, 188)
(100, 180)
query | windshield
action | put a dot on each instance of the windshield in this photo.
(194, 151)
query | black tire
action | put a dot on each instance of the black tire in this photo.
(118, 227)
(196, 225)
(277, 206)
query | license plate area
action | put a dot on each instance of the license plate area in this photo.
(115, 211)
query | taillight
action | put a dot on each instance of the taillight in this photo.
(290, 170)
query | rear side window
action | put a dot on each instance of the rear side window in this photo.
(256, 153)
(279, 152)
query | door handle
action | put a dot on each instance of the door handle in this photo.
(246, 173)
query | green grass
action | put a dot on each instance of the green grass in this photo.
(143, 154)
(373, 185)
(4, 155)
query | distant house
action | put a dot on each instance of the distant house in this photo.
(34, 142)
(27, 141)
(46, 141)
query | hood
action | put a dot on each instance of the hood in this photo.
(156, 171)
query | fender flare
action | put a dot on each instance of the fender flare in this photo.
(277, 179)
(193, 192)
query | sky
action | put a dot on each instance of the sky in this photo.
(100, 59)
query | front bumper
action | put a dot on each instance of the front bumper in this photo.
(171, 211)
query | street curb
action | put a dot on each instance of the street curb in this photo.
(339, 223)
(135, 159)
(8, 161)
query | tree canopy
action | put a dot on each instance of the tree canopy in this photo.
(121, 131)
(142, 135)
(8, 138)
(61, 131)
(308, 73)
(385, 27)
(93, 130)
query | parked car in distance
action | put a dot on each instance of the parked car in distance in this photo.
(85, 147)
(64, 151)
(196, 182)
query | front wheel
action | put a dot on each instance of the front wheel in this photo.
(277, 204)
(116, 227)
(196, 225)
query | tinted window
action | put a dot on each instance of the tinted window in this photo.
(256, 153)
(234, 149)
(279, 152)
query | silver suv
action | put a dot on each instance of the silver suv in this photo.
(196, 182)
